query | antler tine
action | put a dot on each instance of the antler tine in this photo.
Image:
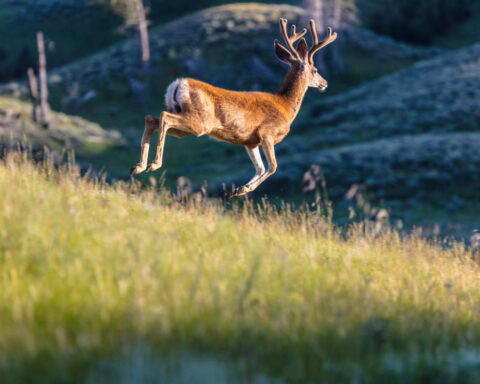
(316, 45)
(291, 39)
(313, 30)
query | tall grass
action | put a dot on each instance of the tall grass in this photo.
(89, 272)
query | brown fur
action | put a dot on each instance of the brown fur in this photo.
(239, 118)
(250, 119)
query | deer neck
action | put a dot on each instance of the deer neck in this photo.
(292, 91)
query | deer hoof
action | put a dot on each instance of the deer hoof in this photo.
(240, 191)
(153, 166)
(139, 168)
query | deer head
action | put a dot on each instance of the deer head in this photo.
(300, 58)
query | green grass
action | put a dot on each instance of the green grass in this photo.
(92, 273)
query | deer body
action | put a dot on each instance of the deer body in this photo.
(235, 117)
(250, 119)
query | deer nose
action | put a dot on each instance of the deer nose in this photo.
(323, 87)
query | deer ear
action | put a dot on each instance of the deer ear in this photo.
(302, 48)
(283, 53)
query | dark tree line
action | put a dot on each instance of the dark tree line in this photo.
(414, 21)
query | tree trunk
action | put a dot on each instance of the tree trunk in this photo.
(317, 14)
(32, 81)
(314, 10)
(142, 26)
(336, 62)
(42, 69)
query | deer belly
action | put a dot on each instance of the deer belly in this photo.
(232, 136)
(223, 135)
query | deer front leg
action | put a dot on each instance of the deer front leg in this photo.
(256, 159)
(269, 151)
(150, 127)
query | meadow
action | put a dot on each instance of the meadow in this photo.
(128, 283)
(162, 278)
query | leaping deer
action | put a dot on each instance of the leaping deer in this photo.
(251, 119)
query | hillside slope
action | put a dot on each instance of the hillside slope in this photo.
(16, 126)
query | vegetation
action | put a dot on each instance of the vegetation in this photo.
(125, 8)
(414, 21)
(94, 277)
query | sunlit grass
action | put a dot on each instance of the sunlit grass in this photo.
(90, 271)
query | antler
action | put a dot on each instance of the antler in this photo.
(295, 36)
(316, 45)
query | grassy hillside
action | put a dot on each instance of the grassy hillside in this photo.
(65, 131)
(105, 283)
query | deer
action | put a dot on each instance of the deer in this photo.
(249, 119)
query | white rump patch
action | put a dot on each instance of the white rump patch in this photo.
(177, 94)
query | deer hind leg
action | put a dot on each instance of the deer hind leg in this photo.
(262, 174)
(151, 125)
(167, 121)
(256, 158)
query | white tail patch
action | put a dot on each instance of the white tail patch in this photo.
(177, 94)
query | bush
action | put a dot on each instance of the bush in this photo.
(414, 21)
